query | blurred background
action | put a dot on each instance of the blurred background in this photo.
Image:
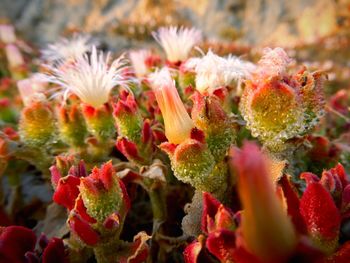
(123, 23)
(313, 31)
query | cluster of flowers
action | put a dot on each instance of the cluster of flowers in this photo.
(173, 126)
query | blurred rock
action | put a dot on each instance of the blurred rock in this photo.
(123, 23)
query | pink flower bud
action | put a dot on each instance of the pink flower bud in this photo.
(177, 122)
(256, 187)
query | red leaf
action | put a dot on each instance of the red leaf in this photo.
(222, 244)
(293, 204)
(198, 135)
(112, 221)
(146, 132)
(81, 210)
(126, 198)
(321, 216)
(191, 252)
(106, 175)
(168, 147)
(55, 175)
(67, 191)
(341, 256)
(345, 206)
(15, 241)
(129, 149)
(137, 251)
(83, 230)
(54, 252)
(139, 248)
(309, 177)
(210, 208)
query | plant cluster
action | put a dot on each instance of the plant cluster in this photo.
(178, 159)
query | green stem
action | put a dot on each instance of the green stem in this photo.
(158, 205)
(78, 253)
(107, 252)
(38, 157)
(157, 200)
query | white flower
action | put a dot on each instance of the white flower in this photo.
(31, 89)
(67, 49)
(273, 62)
(7, 34)
(138, 60)
(14, 56)
(177, 42)
(90, 77)
(213, 71)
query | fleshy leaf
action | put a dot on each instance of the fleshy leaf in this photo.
(321, 216)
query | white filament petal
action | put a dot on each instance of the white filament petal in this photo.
(177, 42)
(273, 62)
(7, 34)
(90, 77)
(138, 60)
(213, 71)
(67, 49)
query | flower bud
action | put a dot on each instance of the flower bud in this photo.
(31, 89)
(177, 122)
(99, 121)
(277, 106)
(209, 116)
(193, 163)
(71, 125)
(128, 119)
(255, 187)
(101, 192)
(37, 124)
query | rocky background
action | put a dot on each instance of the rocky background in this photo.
(127, 23)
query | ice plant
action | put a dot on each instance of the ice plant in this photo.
(17, 244)
(14, 56)
(138, 60)
(143, 61)
(99, 121)
(218, 127)
(316, 218)
(90, 77)
(243, 205)
(191, 160)
(31, 89)
(135, 138)
(327, 194)
(102, 193)
(71, 125)
(97, 205)
(67, 50)
(37, 124)
(7, 34)
(177, 42)
(255, 187)
(213, 72)
(177, 122)
(92, 198)
(278, 106)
